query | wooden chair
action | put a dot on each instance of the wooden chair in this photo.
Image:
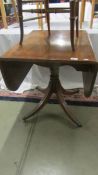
(73, 10)
(3, 13)
(82, 12)
(93, 12)
(39, 16)
(15, 9)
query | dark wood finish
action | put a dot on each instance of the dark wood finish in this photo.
(89, 80)
(73, 9)
(54, 87)
(14, 73)
(41, 49)
(47, 51)
(53, 52)
(20, 14)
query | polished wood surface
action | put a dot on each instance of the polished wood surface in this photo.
(53, 52)
(73, 10)
(38, 47)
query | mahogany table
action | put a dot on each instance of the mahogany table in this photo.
(53, 52)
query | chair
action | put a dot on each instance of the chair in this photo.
(21, 10)
(73, 9)
(15, 9)
(3, 13)
(94, 12)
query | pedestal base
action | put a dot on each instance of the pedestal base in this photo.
(54, 87)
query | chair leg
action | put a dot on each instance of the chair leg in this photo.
(77, 18)
(37, 6)
(40, 20)
(72, 23)
(92, 13)
(15, 10)
(3, 13)
(82, 12)
(19, 3)
(47, 15)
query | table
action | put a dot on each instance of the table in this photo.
(53, 52)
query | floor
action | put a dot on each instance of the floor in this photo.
(50, 145)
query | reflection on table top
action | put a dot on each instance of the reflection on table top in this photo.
(38, 46)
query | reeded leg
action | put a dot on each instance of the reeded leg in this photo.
(19, 3)
(66, 109)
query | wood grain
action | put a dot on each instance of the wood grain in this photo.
(38, 47)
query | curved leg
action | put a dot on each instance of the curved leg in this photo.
(67, 92)
(70, 92)
(40, 105)
(54, 87)
(65, 108)
(19, 3)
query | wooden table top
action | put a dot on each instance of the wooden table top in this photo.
(38, 47)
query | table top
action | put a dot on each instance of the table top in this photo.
(39, 47)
